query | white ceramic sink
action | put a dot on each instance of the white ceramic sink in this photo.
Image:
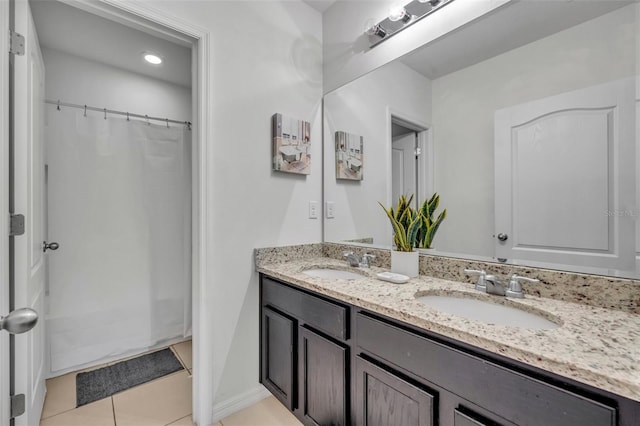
(490, 313)
(335, 274)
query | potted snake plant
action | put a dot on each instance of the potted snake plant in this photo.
(407, 224)
(429, 225)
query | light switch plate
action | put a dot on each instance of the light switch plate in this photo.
(313, 209)
(330, 210)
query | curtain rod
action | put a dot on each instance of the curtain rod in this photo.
(110, 111)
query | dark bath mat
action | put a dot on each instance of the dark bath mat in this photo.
(103, 382)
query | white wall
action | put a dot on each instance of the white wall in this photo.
(266, 57)
(464, 103)
(362, 107)
(346, 48)
(81, 81)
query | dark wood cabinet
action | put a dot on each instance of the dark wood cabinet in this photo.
(323, 379)
(335, 364)
(384, 399)
(304, 353)
(512, 395)
(278, 362)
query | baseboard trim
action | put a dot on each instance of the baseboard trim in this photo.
(237, 403)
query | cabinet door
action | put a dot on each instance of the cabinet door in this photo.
(278, 362)
(323, 378)
(384, 399)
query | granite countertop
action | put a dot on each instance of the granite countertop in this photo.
(596, 346)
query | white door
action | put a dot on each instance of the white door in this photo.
(28, 187)
(4, 209)
(565, 178)
(403, 167)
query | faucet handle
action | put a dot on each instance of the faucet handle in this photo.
(515, 289)
(482, 276)
(366, 260)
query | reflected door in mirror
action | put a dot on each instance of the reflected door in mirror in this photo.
(558, 206)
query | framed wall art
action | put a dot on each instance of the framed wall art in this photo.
(291, 145)
(349, 156)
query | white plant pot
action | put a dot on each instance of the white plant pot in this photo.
(405, 262)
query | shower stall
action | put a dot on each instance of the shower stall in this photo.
(119, 206)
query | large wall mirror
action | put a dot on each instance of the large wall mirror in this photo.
(526, 122)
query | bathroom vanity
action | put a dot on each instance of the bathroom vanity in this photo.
(362, 352)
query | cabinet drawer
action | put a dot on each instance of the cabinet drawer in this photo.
(520, 399)
(321, 314)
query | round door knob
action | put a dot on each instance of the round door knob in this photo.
(19, 321)
(503, 237)
(50, 246)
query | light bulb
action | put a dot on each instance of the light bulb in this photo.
(376, 30)
(397, 13)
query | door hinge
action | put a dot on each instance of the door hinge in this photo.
(418, 151)
(16, 43)
(16, 225)
(17, 405)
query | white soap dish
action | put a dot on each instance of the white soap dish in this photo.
(393, 277)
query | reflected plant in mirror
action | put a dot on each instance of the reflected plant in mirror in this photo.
(429, 225)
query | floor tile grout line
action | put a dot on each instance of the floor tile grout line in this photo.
(113, 410)
(57, 414)
(175, 352)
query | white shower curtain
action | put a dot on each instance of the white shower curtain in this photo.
(119, 205)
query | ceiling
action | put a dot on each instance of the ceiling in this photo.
(508, 27)
(83, 34)
(320, 5)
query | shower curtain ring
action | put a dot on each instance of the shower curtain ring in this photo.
(58, 108)
(105, 113)
(147, 117)
(167, 122)
(85, 110)
(127, 116)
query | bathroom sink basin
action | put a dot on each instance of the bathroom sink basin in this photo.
(487, 312)
(335, 274)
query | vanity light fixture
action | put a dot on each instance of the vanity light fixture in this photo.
(400, 17)
(376, 30)
(152, 58)
(399, 13)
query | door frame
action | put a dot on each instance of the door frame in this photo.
(425, 160)
(143, 17)
(4, 207)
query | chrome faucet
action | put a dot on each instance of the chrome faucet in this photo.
(495, 286)
(482, 276)
(515, 289)
(491, 284)
(355, 261)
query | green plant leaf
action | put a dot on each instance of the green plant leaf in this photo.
(401, 219)
(429, 226)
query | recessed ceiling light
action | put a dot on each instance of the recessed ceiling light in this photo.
(152, 58)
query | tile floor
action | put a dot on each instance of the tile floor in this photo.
(161, 402)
